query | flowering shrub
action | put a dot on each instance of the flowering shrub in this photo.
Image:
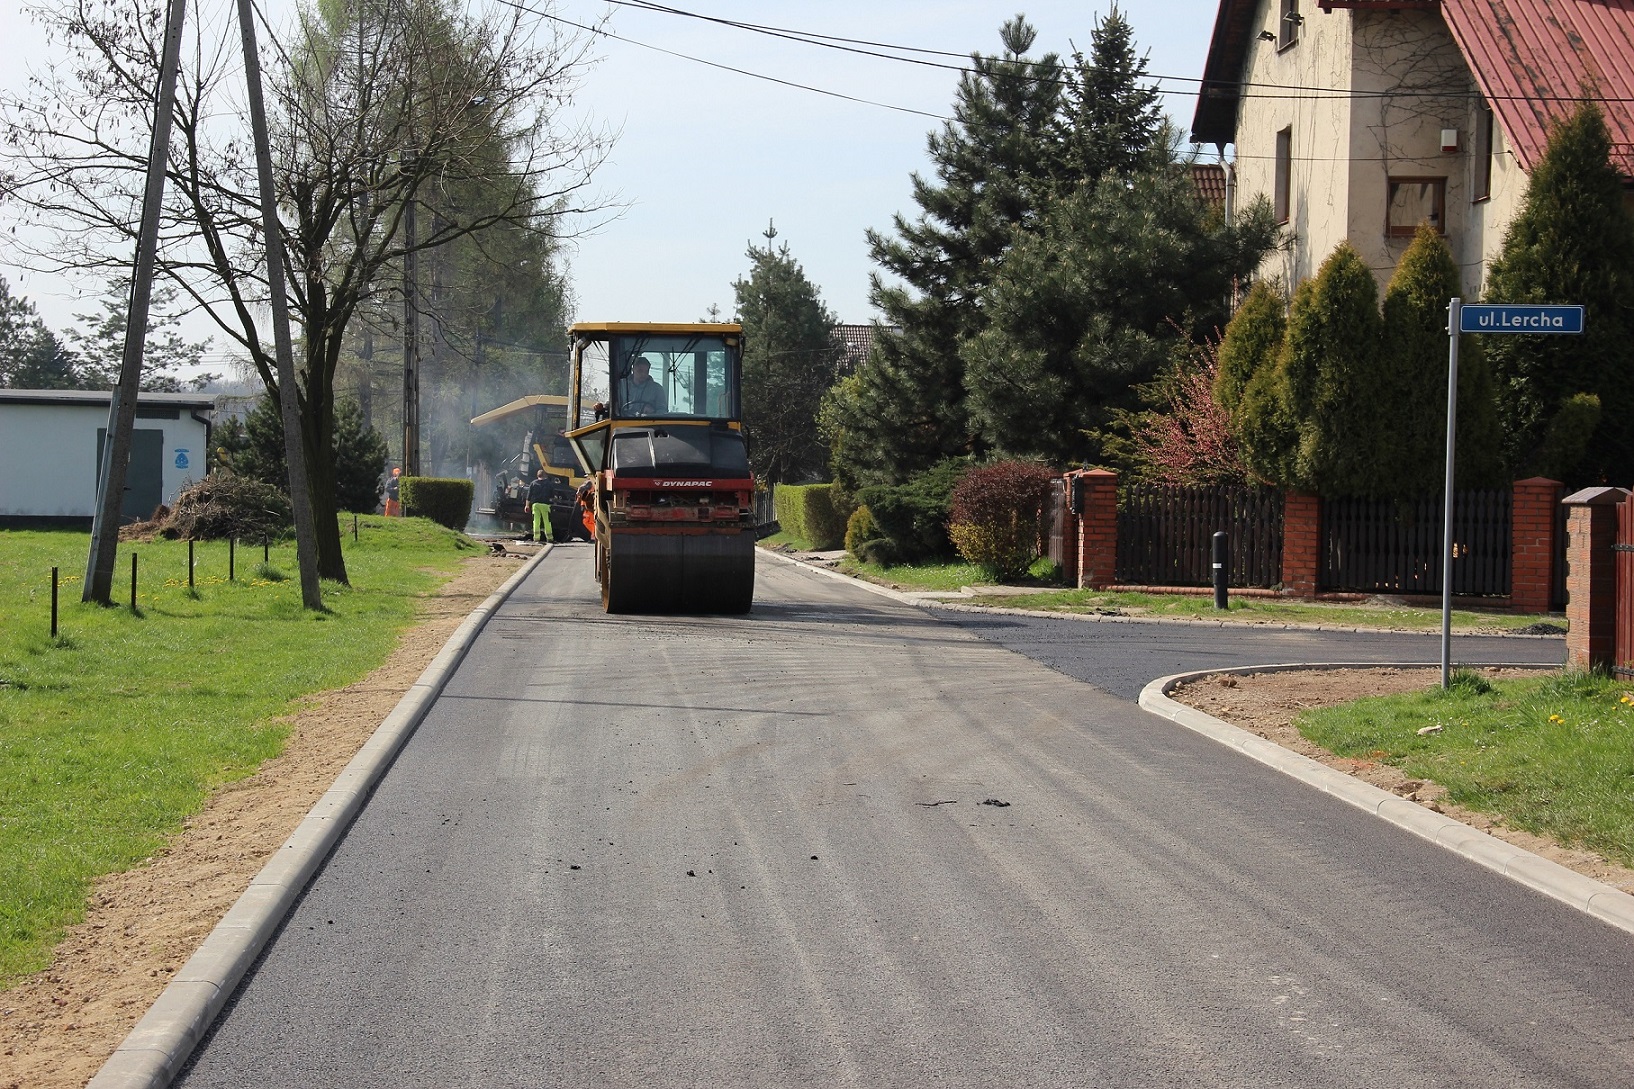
(996, 516)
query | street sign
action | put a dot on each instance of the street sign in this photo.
(1519, 318)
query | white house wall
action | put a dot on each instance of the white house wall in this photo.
(1347, 147)
(1318, 212)
(48, 457)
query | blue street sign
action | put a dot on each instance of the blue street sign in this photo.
(1519, 318)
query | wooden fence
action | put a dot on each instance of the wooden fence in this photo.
(1165, 535)
(1382, 546)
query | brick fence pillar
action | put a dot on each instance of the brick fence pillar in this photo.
(1097, 527)
(1532, 509)
(1591, 577)
(1301, 543)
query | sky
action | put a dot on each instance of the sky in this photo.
(705, 159)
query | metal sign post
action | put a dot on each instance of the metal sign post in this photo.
(1482, 318)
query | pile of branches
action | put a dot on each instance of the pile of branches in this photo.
(219, 507)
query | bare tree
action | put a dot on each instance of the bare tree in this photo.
(383, 109)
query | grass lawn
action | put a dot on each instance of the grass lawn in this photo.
(120, 728)
(1553, 756)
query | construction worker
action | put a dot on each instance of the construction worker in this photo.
(539, 505)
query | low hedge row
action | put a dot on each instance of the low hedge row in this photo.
(444, 500)
(807, 511)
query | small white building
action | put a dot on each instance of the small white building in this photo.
(51, 448)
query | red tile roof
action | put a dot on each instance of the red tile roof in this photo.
(1210, 179)
(1532, 59)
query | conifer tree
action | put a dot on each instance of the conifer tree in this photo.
(1090, 307)
(788, 363)
(1115, 119)
(1412, 369)
(1572, 242)
(1251, 342)
(1331, 381)
(905, 409)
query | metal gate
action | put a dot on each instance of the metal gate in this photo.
(1622, 655)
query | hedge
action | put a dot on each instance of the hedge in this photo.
(444, 500)
(807, 511)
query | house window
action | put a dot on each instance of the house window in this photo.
(1284, 176)
(1414, 201)
(1288, 25)
(1481, 154)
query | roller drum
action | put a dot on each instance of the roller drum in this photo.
(645, 572)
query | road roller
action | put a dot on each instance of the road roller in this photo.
(660, 439)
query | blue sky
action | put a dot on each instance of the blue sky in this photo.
(705, 158)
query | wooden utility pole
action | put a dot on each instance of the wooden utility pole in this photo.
(306, 539)
(98, 586)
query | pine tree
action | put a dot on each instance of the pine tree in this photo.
(993, 162)
(1572, 242)
(1091, 306)
(788, 364)
(1412, 369)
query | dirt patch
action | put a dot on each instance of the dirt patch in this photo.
(1266, 704)
(59, 1026)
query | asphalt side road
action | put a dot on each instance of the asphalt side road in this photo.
(846, 841)
(1121, 656)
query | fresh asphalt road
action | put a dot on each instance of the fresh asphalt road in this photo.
(764, 851)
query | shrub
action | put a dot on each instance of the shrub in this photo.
(997, 515)
(444, 500)
(913, 515)
(881, 551)
(807, 511)
(223, 506)
(859, 528)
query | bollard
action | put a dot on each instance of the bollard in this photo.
(133, 582)
(264, 549)
(354, 529)
(1222, 558)
(190, 563)
(53, 603)
(232, 547)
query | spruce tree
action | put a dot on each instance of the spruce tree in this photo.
(1572, 242)
(1115, 118)
(1412, 380)
(992, 163)
(788, 364)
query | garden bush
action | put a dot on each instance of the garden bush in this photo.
(444, 500)
(859, 528)
(808, 511)
(997, 516)
(914, 515)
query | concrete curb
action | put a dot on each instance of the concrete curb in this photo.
(156, 1049)
(1609, 905)
(925, 602)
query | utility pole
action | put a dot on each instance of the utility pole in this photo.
(411, 346)
(306, 539)
(99, 564)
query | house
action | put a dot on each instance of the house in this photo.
(1360, 119)
(51, 451)
(852, 345)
